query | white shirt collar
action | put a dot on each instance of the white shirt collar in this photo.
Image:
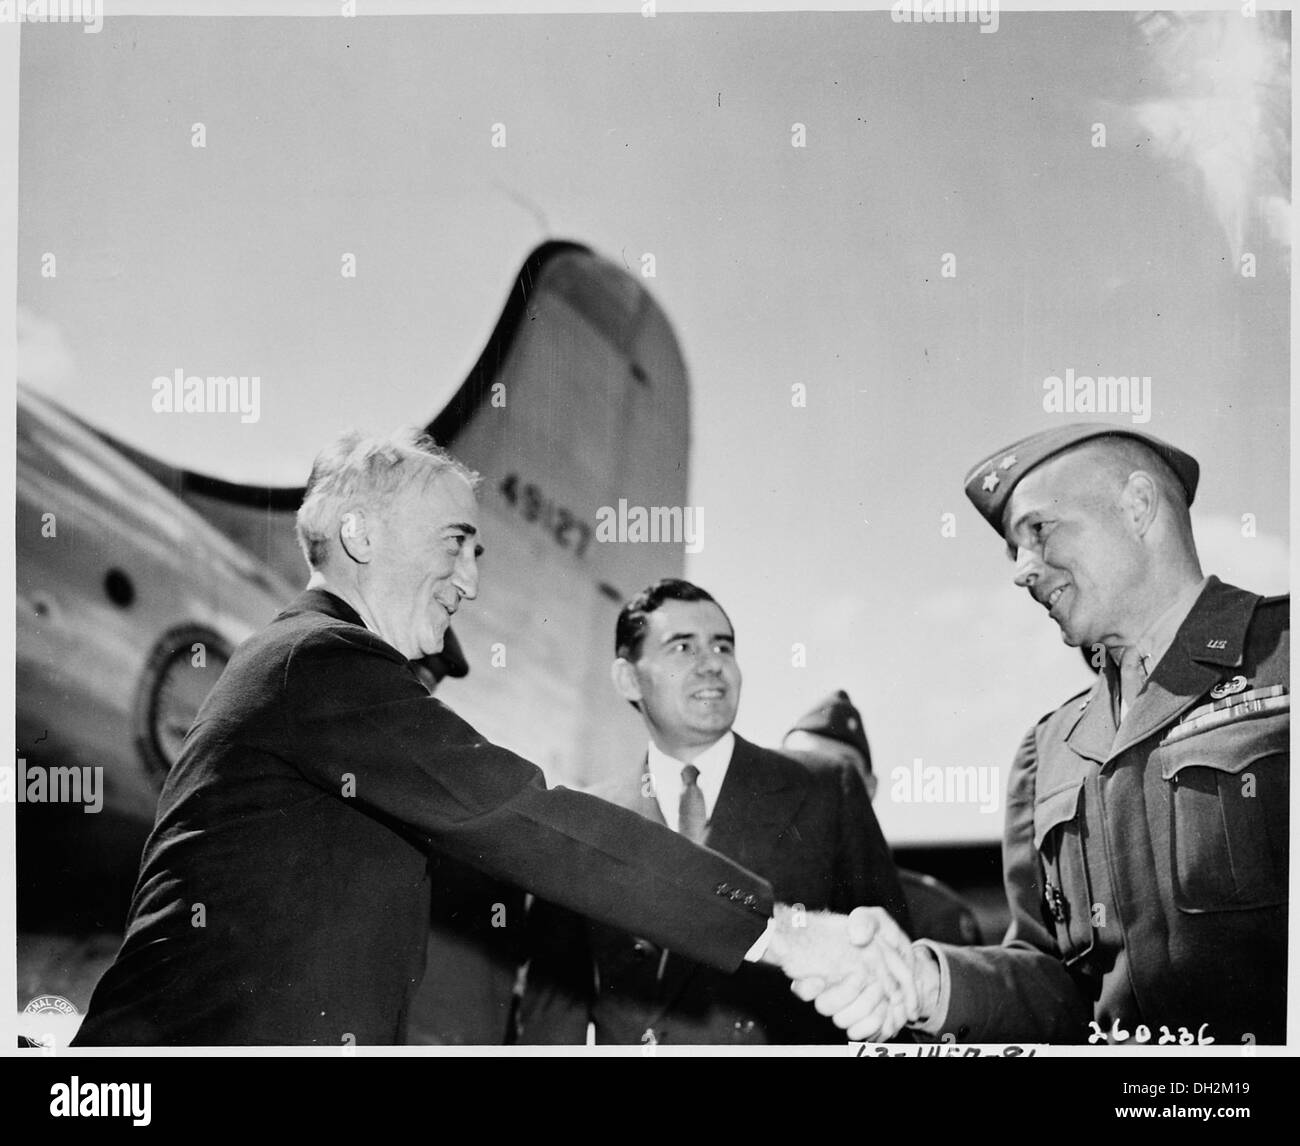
(666, 775)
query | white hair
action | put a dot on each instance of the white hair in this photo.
(367, 472)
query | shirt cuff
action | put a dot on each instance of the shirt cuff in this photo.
(933, 1025)
(761, 944)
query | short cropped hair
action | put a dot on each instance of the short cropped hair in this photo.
(1120, 455)
(357, 470)
(634, 618)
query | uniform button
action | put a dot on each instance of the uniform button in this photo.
(1055, 902)
(736, 895)
(722, 889)
(641, 947)
(750, 900)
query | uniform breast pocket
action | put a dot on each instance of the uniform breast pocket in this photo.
(1229, 792)
(1061, 839)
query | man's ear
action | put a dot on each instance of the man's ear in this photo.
(354, 536)
(1141, 501)
(623, 673)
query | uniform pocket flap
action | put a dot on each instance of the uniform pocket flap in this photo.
(1059, 807)
(1227, 747)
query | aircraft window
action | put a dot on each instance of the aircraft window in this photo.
(119, 588)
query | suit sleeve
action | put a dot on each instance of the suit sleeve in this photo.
(364, 729)
(1019, 991)
(865, 873)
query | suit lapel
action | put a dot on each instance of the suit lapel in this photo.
(757, 802)
(1209, 641)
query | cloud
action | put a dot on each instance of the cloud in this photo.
(45, 360)
(1225, 113)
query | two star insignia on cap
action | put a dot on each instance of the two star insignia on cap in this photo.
(992, 478)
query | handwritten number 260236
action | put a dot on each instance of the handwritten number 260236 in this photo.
(1117, 1034)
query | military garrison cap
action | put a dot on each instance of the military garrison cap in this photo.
(837, 719)
(989, 484)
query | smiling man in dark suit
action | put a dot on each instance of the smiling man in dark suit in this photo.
(284, 892)
(807, 827)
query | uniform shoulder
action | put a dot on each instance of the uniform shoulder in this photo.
(1058, 720)
(1264, 606)
(1070, 707)
(1272, 618)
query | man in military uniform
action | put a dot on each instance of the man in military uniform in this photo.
(1145, 852)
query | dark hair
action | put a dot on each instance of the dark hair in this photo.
(633, 618)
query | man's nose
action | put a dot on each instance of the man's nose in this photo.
(1028, 568)
(709, 660)
(466, 576)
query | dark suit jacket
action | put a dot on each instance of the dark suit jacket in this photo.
(809, 829)
(284, 893)
(474, 951)
(1147, 871)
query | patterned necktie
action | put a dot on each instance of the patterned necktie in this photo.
(1132, 678)
(690, 809)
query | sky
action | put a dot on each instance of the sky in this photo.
(864, 316)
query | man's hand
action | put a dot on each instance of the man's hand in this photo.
(856, 969)
(875, 1018)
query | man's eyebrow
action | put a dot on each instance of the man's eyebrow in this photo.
(671, 638)
(685, 636)
(462, 527)
(1019, 521)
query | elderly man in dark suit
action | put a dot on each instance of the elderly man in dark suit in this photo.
(1146, 840)
(806, 826)
(284, 892)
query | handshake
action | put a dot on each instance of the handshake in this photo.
(860, 970)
